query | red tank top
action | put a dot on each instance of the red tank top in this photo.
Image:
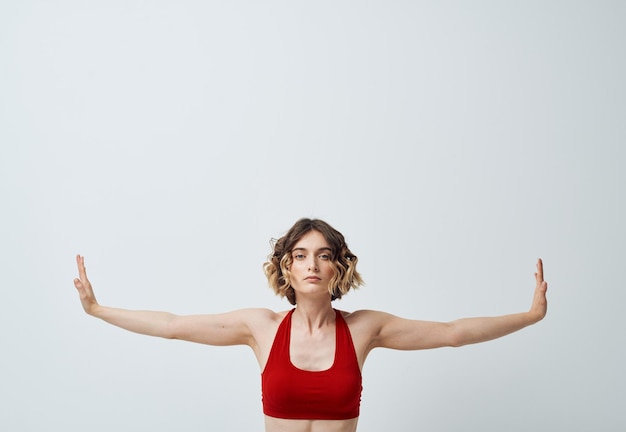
(292, 393)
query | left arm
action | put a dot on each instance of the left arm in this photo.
(398, 333)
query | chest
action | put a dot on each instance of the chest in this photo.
(313, 351)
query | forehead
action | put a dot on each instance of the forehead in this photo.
(312, 240)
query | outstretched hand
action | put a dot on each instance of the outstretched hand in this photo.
(539, 306)
(82, 284)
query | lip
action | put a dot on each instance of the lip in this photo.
(313, 279)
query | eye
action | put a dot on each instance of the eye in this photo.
(325, 257)
(298, 257)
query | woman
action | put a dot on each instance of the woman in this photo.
(312, 355)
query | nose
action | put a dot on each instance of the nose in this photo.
(313, 265)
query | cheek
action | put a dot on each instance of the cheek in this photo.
(328, 270)
(296, 266)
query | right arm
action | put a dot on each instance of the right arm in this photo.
(231, 328)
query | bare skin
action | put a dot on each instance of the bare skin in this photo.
(313, 325)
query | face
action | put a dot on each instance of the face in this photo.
(310, 269)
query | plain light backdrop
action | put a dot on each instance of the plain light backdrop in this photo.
(453, 143)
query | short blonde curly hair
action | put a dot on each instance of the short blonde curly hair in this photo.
(343, 262)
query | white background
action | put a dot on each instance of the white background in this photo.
(451, 142)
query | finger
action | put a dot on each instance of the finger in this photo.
(78, 284)
(82, 272)
(539, 270)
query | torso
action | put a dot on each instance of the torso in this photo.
(312, 352)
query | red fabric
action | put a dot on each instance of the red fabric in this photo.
(292, 393)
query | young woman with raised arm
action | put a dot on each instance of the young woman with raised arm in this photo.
(311, 356)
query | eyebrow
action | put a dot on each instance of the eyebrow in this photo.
(306, 250)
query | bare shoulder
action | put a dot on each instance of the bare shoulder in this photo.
(365, 327)
(260, 317)
(366, 320)
(366, 315)
(262, 325)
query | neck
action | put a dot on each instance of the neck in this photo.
(314, 315)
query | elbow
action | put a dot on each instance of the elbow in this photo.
(170, 329)
(456, 336)
(456, 343)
